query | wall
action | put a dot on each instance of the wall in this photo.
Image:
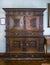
(21, 4)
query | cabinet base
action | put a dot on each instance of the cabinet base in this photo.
(24, 56)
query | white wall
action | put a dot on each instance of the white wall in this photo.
(21, 4)
(2, 38)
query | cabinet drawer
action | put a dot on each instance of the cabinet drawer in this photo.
(24, 33)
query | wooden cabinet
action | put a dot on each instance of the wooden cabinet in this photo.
(24, 33)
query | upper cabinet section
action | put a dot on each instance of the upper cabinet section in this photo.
(24, 18)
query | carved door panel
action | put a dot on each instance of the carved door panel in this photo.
(16, 22)
(32, 22)
(16, 45)
(32, 45)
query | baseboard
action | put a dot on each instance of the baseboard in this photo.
(2, 54)
(48, 55)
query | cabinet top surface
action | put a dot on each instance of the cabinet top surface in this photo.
(24, 9)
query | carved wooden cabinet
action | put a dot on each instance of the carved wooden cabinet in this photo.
(24, 33)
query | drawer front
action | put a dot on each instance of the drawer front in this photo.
(24, 33)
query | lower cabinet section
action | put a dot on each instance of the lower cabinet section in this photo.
(30, 45)
(25, 48)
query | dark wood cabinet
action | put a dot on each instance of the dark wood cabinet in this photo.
(24, 33)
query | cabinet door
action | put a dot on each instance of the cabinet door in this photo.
(16, 45)
(32, 22)
(16, 22)
(32, 45)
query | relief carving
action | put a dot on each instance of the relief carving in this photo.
(33, 22)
